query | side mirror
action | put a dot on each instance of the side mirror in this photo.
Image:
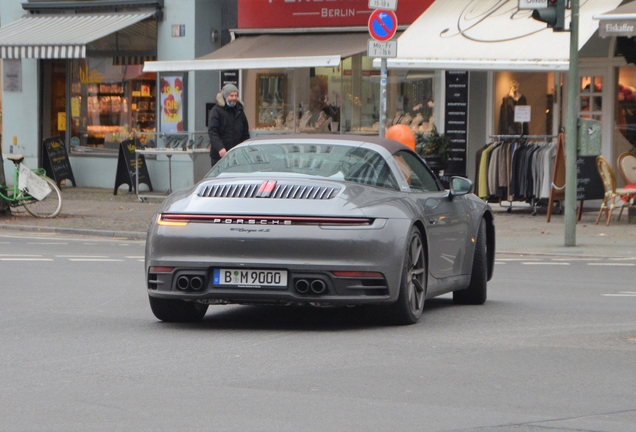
(460, 186)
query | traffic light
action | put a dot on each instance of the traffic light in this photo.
(553, 15)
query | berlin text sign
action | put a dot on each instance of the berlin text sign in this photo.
(377, 49)
(533, 4)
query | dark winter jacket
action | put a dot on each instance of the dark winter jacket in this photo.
(227, 126)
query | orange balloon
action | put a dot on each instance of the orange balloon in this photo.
(402, 134)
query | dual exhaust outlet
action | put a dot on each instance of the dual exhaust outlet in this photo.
(310, 286)
(185, 283)
(302, 286)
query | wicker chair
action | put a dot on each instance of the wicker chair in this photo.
(627, 168)
(613, 195)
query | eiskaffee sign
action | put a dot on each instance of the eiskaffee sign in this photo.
(617, 28)
(318, 13)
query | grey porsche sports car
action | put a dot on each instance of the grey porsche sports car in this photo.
(319, 220)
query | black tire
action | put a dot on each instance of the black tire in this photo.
(50, 206)
(476, 292)
(177, 310)
(410, 303)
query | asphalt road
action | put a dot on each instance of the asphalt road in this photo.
(552, 349)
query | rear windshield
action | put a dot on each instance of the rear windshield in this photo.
(336, 162)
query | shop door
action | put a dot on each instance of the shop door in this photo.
(595, 101)
(53, 102)
(591, 95)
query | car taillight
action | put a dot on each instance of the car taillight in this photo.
(170, 220)
(160, 269)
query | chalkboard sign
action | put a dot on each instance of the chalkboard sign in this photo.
(55, 161)
(589, 185)
(127, 163)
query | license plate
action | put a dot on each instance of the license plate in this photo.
(245, 278)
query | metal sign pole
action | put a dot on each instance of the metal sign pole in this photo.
(571, 133)
(383, 81)
(382, 27)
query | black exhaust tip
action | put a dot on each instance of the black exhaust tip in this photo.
(302, 286)
(318, 286)
(196, 283)
(183, 282)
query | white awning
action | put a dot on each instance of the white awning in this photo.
(272, 51)
(489, 35)
(60, 36)
(618, 22)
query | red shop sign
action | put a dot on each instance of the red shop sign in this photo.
(318, 13)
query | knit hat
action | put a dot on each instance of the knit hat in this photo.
(227, 89)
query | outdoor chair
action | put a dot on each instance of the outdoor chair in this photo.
(612, 193)
(627, 168)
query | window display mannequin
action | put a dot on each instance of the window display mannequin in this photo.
(507, 125)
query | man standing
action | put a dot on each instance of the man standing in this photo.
(227, 125)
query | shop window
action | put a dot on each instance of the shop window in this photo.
(411, 100)
(526, 96)
(271, 96)
(109, 103)
(361, 95)
(591, 98)
(626, 110)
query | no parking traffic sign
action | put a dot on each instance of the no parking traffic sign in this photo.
(382, 24)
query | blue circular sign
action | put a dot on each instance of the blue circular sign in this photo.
(382, 24)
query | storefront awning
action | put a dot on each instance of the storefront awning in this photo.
(272, 51)
(61, 36)
(489, 35)
(618, 22)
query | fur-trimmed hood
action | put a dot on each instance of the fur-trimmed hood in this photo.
(220, 101)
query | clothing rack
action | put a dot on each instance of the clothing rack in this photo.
(523, 136)
(546, 138)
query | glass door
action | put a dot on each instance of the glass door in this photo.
(591, 97)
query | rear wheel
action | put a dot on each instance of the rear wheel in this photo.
(177, 310)
(50, 206)
(410, 303)
(476, 292)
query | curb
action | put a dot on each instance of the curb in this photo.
(129, 235)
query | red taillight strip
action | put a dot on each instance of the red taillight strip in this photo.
(264, 220)
(160, 269)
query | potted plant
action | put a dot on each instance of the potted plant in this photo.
(434, 148)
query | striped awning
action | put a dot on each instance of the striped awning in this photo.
(61, 36)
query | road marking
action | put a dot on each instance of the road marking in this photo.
(81, 256)
(18, 255)
(26, 259)
(46, 243)
(546, 263)
(574, 259)
(619, 295)
(96, 259)
(611, 264)
(135, 256)
(518, 259)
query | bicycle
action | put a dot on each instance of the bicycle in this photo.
(47, 207)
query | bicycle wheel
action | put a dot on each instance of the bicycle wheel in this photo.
(50, 206)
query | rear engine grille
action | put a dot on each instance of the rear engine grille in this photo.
(268, 189)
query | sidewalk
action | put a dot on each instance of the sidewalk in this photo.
(88, 211)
